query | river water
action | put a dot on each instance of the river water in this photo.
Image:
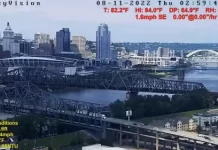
(208, 77)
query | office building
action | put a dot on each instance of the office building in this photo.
(8, 37)
(1, 44)
(103, 42)
(114, 54)
(54, 41)
(8, 41)
(62, 41)
(40, 38)
(163, 52)
(48, 48)
(26, 47)
(69, 55)
(79, 45)
(18, 37)
(15, 48)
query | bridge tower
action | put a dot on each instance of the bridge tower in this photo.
(181, 70)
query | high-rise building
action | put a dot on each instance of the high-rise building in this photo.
(15, 47)
(62, 41)
(48, 48)
(18, 37)
(163, 52)
(114, 54)
(54, 42)
(40, 38)
(26, 47)
(79, 43)
(103, 42)
(1, 41)
(8, 37)
(8, 41)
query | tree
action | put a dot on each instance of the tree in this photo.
(28, 124)
(73, 141)
(80, 139)
(150, 106)
(91, 141)
(49, 148)
(118, 109)
(199, 129)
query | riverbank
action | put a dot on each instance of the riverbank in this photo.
(162, 74)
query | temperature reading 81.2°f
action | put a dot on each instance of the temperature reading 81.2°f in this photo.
(126, 3)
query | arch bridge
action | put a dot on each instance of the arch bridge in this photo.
(203, 57)
(115, 80)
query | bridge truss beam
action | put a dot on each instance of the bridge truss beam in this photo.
(136, 81)
(25, 97)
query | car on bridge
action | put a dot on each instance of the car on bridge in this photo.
(91, 114)
(9, 101)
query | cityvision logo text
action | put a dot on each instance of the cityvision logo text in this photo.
(20, 3)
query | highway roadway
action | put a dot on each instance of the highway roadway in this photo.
(181, 142)
(181, 134)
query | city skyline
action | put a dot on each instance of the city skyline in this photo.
(83, 18)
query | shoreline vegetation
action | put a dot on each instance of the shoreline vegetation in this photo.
(147, 106)
(162, 74)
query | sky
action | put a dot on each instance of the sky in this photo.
(84, 16)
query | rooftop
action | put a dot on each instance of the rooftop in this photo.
(174, 121)
(205, 115)
(8, 28)
(36, 58)
(213, 111)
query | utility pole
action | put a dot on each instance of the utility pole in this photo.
(157, 141)
(172, 126)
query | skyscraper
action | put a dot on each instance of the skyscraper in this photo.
(62, 41)
(8, 41)
(26, 47)
(40, 38)
(8, 37)
(103, 41)
(79, 44)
